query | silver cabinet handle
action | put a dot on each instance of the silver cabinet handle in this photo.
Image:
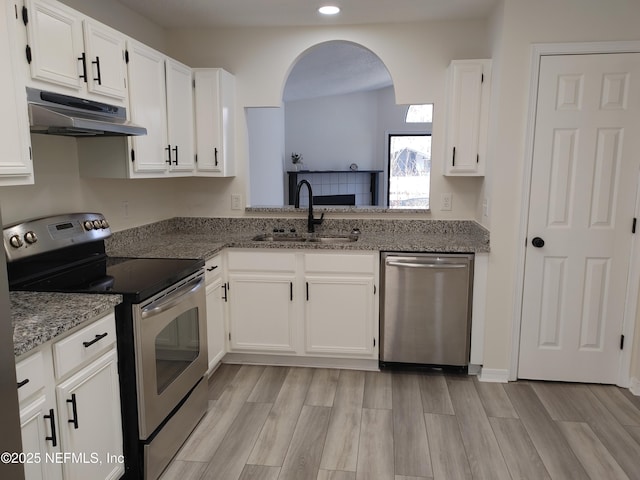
(171, 300)
(445, 266)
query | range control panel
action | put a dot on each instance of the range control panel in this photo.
(45, 234)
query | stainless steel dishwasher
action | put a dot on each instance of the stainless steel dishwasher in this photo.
(425, 315)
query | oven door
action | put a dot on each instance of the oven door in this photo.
(171, 350)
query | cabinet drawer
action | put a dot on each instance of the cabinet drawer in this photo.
(339, 263)
(30, 375)
(262, 261)
(84, 345)
(213, 268)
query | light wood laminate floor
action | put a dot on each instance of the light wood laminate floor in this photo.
(269, 423)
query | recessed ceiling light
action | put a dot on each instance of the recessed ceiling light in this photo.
(329, 10)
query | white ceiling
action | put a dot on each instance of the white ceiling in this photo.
(335, 68)
(216, 13)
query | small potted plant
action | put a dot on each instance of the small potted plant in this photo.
(296, 159)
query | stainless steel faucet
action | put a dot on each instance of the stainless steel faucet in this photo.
(311, 222)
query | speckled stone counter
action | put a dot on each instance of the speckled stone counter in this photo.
(38, 317)
(186, 237)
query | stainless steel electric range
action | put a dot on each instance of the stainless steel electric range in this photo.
(161, 326)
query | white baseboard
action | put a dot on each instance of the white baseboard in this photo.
(296, 361)
(493, 375)
(634, 386)
(474, 369)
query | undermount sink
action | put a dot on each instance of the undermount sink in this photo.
(300, 238)
(336, 239)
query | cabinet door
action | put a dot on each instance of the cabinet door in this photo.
(89, 410)
(261, 312)
(215, 322)
(16, 167)
(106, 67)
(54, 35)
(180, 116)
(148, 108)
(467, 117)
(39, 431)
(339, 315)
(214, 114)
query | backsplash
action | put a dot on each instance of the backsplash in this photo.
(340, 183)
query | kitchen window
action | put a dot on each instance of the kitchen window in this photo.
(409, 170)
(419, 113)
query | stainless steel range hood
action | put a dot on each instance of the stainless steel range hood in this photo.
(56, 114)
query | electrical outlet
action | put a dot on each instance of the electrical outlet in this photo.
(125, 208)
(446, 200)
(485, 207)
(236, 201)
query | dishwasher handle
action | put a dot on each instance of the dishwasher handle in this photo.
(414, 264)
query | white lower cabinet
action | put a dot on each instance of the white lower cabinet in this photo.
(37, 422)
(308, 304)
(261, 312)
(71, 427)
(341, 311)
(90, 427)
(338, 313)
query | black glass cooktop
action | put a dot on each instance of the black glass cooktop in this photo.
(135, 278)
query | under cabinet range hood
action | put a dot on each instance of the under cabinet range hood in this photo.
(57, 114)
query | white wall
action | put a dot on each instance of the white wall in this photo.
(416, 54)
(333, 132)
(265, 127)
(59, 189)
(122, 19)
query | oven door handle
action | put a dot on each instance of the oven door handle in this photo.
(172, 299)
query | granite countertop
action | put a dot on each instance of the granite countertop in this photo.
(38, 317)
(216, 234)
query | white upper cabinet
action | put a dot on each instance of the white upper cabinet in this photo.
(54, 43)
(180, 116)
(72, 54)
(215, 116)
(106, 67)
(148, 108)
(16, 166)
(161, 100)
(469, 86)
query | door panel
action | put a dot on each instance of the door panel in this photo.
(583, 187)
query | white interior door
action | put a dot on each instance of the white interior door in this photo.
(583, 189)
